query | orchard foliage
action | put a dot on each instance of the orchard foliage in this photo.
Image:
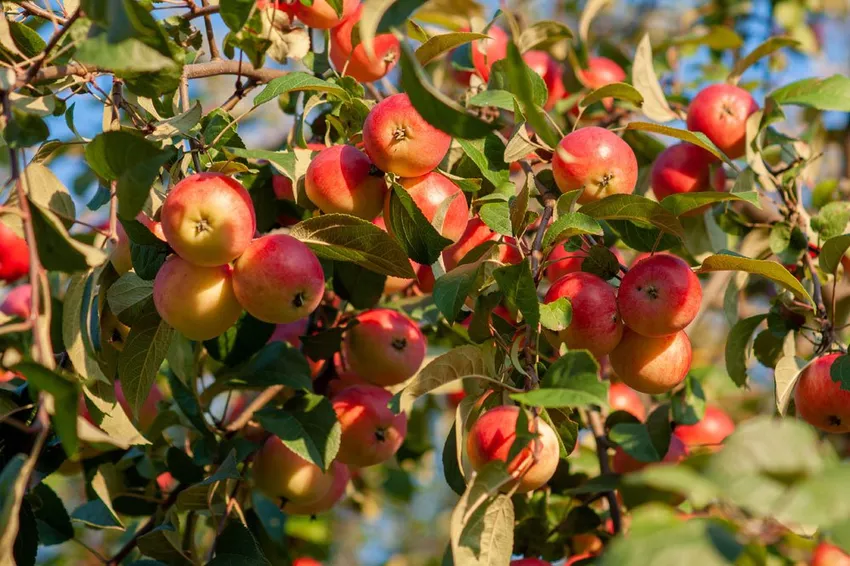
(541, 241)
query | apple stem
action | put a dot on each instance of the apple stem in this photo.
(594, 418)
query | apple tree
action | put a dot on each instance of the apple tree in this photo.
(549, 283)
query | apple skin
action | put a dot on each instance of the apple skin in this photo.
(371, 433)
(197, 301)
(820, 401)
(14, 255)
(492, 436)
(826, 554)
(550, 71)
(601, 71)
(208, 219)
(622, 463)
(621, 397)
(321, 15)
(119, 253)
(709, 433)
(398, 140)
(356, 62)
(395, 284)
(18, 302)
(278, 279)
(720, 112)
(282, 185)
(485, 52)
(429, 192)
(651, 365)
(341, 179)
(385, 347)
(659, 296)
(475, 234)
(564, 262)
(148, 411)
(341, 477)
(166, 482)
(596, 324)
(596, 160)
(280, 472)
(530, 562)
(305, 561)
(686, 168)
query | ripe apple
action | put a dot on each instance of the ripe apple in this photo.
(564, 262)
(197, 301)
(395, 284)
(485, 52)
(280, 472)
(621, 397)
(720, 112)
(149, 409)
(14, 255)
(622, 463)
(278, 279)
(384, 347)
(208, 219)
(356, 62)
(282, 185)
(601, 71)
(321, 15)
(18, 302)
(154, 226)
(166, 482)
(596, 160)
(475, 234)
(492, 436)
(710, 432)
(659, 296)
(651, 364)
(398, 140)
(429, 192)
(575, 559)
(530, 562)
(341, 179)
(119, 253)
(826, 554)
(306, 561)
(821, 401)
(371, 433)
(550, 71)
(596, 324)
(686, 168)
(341, 477)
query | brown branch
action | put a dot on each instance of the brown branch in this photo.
(34, 10)
(238, 94)
(33, 70)
(258, 403)
(143, 530)
(113, 188)
(214, 54)
(200, 12)
(598, 428)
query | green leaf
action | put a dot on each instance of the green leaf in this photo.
(453, 288)
(523, 79)
(340, 237)
(66, 394)
(324, 344)
(517, 284)
(557, 315)
(179, 125)
(451, 468)
(769, 269)
(147, 259)
(298, 81)
(771, 45)
(419, 239)
(439, 44)
(518, 206)
(621, 91)
(658, 426)
(240, 341)
(163, 543)
(488, 155)
(497, 217)
(676, 479)
(785, 376)
(688, 404)
(57, 249)
(635, 441)
(381, 16)
(696, 138)
(436, 108)
(497, 98)
(591, 9)
(839, 371)
(143, 353)
(52, 520)
(283, 161)
(787, 242)
(131, 160)
(543, 33)
(832, 93)
(109, 416)
(737, 347)
(128, 292)
(307, 426)
(832, 252)
(569, 225)
(357, 285)
(235, 13)
(572, 381)
(482, 523)
(25, 130)
(831, 220)
(198, 496)
(635, 208)
(236, 546)
(13, 486)
(602, 262)
(655, 105)
(682, 203)
(457, 363)
(715, 37)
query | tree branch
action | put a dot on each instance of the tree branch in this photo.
(200, 12)
(598, 428)
(258, 403)
(143, 530)
(214, 54)
(34, 10)
(33, 70)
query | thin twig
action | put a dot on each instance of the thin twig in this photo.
(214, 54)
(113, 188)
(143, 530)
(31, 8)
(258, 403)
(184, 103)
(200, 12)
(598, 428)
(33, 70)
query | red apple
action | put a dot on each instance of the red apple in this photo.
(596, 160)
(278, 279)
(596, 325)
(429, 192)
(166, 482)
(720, 112)
(659, 296)
(601, 71)
(651, 365)
(485, 52)
(14, 255)
(826, 554)
(282, 185)
(321, 15)
(475, 234)
(371, 432)
(341, 179)
(197, 301)
(208, 219)
(622, 463)
(686, 168)
(708, 433)
(621, 397)
(341, 477)
(18, 302)
(820, 400)
(550, 71)
(304, 561)
(280, 472)
(492, 436)
(398, 140)
(564, 262)
(394, 284)
(530, 562)
(355, 61)
(384, 348)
